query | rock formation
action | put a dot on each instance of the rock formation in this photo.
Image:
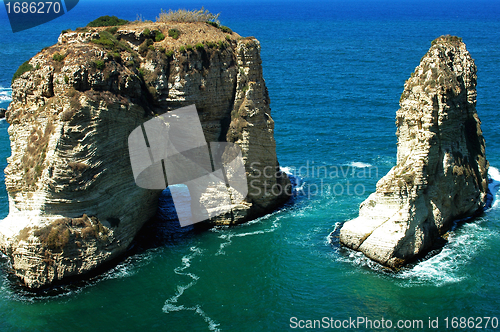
(441, 171)
(2, 113)
(72, 197)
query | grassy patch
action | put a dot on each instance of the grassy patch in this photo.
(58, 57)
(143, 48)
(99, 64)
(222, 45)
(112, 30)
(159, 36)
(107, 40)
(25, 67)
(174, 33)
(117, 57)
(225, 29)
(200, 47)
(106, 21)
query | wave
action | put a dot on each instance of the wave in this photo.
(493, 186)
(449, 266)
(358, 164)
(5, 94)
(296, 181)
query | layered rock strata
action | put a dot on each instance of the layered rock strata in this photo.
(72, 197)
(441, 171)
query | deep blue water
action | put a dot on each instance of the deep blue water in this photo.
(335, 71)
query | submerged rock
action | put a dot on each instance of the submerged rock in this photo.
(73, 202)
(441, 171)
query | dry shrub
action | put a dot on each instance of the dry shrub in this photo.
(47, 259)
(78, 167)
(68, 114)
(236, 128)
(54, 236)
(74, 101)
(35, 154)
(183, 15)
(83, 221)
(24, 234)
(90, 227)
(87, 232)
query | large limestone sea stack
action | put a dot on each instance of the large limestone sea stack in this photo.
(73, 202)
(441, 171)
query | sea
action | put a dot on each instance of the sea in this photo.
(335, 71)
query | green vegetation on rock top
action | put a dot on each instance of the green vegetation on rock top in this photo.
(21, 70)
(109, 41)
(447, 38)
(106, 21)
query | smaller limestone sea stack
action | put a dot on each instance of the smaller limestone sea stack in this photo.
(441, 171)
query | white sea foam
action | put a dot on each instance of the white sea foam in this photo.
(494, 185)
(171, 304)
(296, 181)
(359, 164)
(227, 234)
(5, 94)
(450, 264)
(130, 266)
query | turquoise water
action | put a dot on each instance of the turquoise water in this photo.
(335, 71)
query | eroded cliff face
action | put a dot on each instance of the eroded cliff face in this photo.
(441, 171)
(72, 197)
